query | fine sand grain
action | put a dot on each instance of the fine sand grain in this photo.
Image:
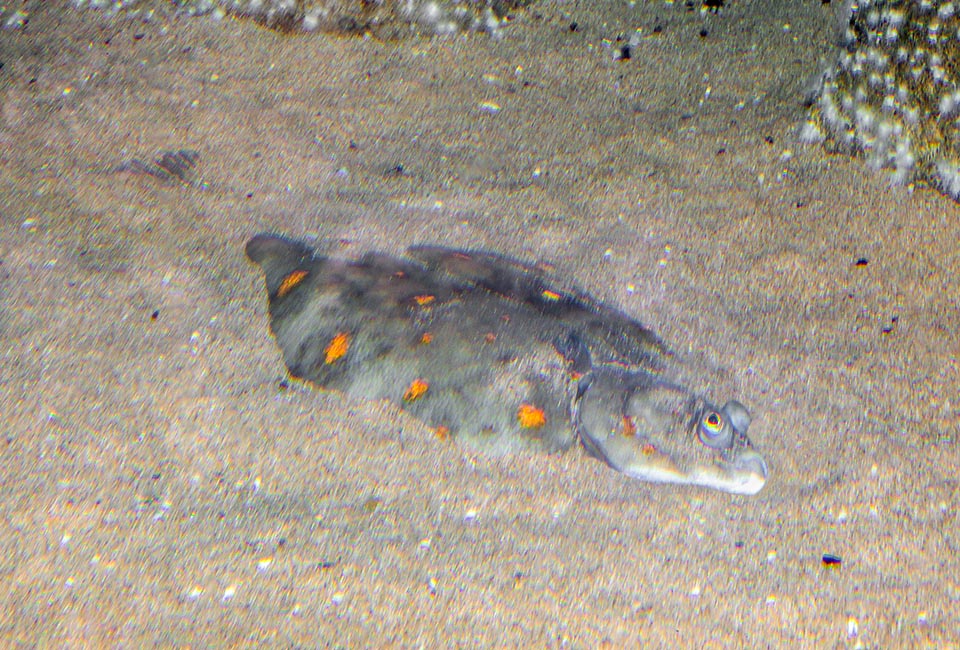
(164, 484)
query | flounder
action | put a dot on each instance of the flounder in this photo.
(486, 351)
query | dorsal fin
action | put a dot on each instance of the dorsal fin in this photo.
(513, 279)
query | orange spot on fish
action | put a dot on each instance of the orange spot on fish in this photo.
(489, 337)
(552, 296)
(290, 282)
(531, 417)
(442, 432)
(416, 390)
(426, 339)
(629, 427)
(424, 300)
(648, 450)
(337, 347)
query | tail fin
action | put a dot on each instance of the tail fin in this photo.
(277, 256)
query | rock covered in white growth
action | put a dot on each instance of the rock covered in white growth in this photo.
(893, 96)
(383, 18)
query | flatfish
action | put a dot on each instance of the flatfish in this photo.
(488, 352)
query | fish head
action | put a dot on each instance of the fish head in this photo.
(659, 432)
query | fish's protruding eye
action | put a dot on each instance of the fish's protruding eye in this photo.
(712, 424)
(714, 431)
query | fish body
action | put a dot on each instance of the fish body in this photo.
(485, 350)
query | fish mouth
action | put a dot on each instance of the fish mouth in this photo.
(746, 475)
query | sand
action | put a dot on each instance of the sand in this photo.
(165, 484)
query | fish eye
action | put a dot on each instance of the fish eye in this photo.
(712, 424)
(714, 431)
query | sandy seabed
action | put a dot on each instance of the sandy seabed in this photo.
(163, 485)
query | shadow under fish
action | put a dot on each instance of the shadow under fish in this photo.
(482, 348)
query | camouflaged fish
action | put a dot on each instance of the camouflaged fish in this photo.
(484, 350)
